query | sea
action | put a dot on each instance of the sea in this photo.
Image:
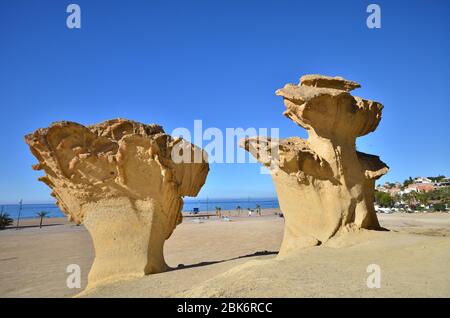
(203, 205)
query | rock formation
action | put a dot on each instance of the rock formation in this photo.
(323, 184)
(125, 181)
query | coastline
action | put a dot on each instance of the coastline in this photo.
(29, 210)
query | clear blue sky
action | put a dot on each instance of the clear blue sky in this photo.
(171, 62)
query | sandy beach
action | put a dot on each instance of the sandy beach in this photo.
(237, 258)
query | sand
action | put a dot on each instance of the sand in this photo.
(237, 258)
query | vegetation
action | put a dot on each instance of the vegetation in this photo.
(442, 195)
(384, 199)
(5, 220)
(435, 200)
(437, 179)
(407, 182)
(439, 207)
(42, 215)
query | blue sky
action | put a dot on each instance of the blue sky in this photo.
(171, 62)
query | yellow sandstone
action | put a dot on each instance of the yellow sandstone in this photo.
(119, 179)
(325, 187)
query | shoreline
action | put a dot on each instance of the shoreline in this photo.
(52, 221)
(30, 222)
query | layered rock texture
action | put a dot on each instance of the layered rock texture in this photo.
(125, 181)
(324, 186)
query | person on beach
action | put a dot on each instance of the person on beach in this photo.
(258, 209)
(238, 209)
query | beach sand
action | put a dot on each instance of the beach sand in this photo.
(237, 258)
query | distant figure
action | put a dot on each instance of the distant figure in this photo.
(258, 209)
(218, 211)
(249, 212)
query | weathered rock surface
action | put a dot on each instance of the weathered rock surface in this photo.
(324, 186)
(120, 179)
(337, 82)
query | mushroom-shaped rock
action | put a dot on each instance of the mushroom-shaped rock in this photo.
(323, 184)
(125, 181)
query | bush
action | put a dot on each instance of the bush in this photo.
(5, 220)
(439, 207)
(384, 199)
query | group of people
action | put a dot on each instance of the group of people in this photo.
(257, 210)
(239, 209)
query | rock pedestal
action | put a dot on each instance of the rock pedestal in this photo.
(324, 185)
(125, 181)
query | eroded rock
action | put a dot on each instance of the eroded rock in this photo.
(323, 184)
(125, 181)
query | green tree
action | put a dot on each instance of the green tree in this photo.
(409, 198)
(397, 198)
(439, 207)
(407, 182)
(437, 179)
(383, 199)
(5, 220)
(441, 194)
(422, 197)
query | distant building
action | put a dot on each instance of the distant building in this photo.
(391, 188)
(422, 180)
(420, 184)
(421, 187)
(394, 190)
(408, 190)
(443, 183)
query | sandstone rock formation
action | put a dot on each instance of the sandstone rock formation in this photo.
(323, 184)
(125, 181)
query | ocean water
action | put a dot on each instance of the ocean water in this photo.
(229, 204)
(30, 210)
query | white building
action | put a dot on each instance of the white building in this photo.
(422, 180)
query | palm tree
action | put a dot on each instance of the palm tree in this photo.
(422, 198)
(42, 215)
(218, 213)
(5, 219)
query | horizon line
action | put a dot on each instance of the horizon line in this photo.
(184, 199)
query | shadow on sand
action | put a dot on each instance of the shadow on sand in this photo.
(14, 227)
(182, 266)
